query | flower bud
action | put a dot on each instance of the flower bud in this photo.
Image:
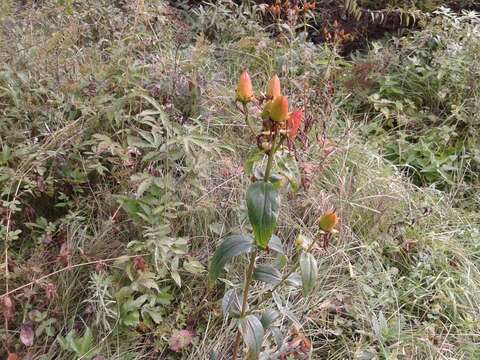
(273, 87)
(279, 109)
(302, 242)
(244, 89)
(328, 221)
(293, 123)
(265, 115)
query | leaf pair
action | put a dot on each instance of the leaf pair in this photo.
(235, 245)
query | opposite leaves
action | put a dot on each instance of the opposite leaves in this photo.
(232, 246)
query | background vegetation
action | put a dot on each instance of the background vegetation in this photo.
(120, 171)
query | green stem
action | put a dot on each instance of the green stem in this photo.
(253, 256)
(271, 153)
(246, 287)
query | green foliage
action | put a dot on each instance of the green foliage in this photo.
(82, 346)
(121, 168)
(253, 333)
(428, 103)
(232, 246)
(262, 204)
(309, 271)
(267, 274)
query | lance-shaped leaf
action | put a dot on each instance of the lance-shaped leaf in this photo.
(269, 317)
(308, 267)
(289, 168)
(233, 245)
(275, 244)
(267, 274)
(231, 303)
(262, 204)
(294, 280)
(253, 333)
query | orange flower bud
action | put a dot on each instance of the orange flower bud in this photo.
(328, 221)
(273, 87)
(244, 89)
(293, 123)
(279, 109)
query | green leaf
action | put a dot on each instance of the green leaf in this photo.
(131, 318)
(275, 244)
(267, 274)
(277, 336)
(308, 267)
(262, 204)
(252, 158)
(253, 333)
(193, 267)
(86, 342)
(269, 317)
(294, 280)
(231, 303)
(233, 245)
(289, 168)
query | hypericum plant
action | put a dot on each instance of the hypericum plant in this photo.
(271, 166)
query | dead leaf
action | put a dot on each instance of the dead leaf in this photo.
(139, 264)
(297, 345)
(26, 334)
(12, 356)
(180, 340)
(334, 306)
(8, 308)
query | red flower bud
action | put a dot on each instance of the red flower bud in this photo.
(293, 123)
(279, 109)
(244, 89)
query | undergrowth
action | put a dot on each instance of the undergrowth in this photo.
(121, 169)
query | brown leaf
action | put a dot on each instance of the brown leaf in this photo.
(180, 340)
(139, 264)
(26, 334)
(7, 308)
(12, 356)
(297, 345)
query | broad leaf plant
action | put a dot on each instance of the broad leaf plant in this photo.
(271, 166)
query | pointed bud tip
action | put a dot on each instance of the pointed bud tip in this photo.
(245, 90)
(274, 87)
